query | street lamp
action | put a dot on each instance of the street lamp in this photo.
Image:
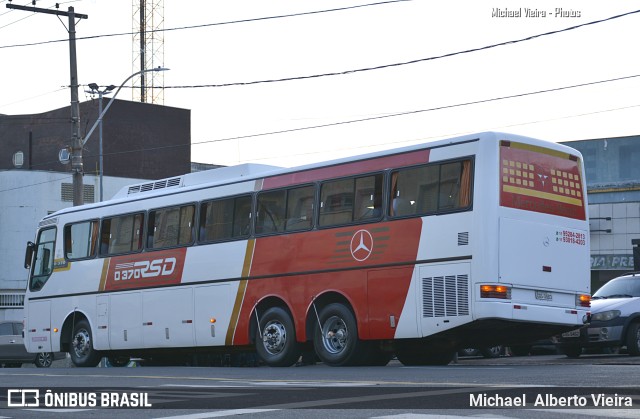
(102, 112)
(95, 89)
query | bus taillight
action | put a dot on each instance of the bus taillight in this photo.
(495, 291)
(583, 300)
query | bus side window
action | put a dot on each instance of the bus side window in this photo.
(225, 219)
(347, 200)
(430, 189)
(80, 240)
(270, 216)
(336, 202)
(368, 198)
(170, 227)
(121, 234)
(300, 208)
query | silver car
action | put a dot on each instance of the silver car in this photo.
(13, 352)
(615, 319)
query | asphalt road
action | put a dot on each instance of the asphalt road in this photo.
(470, 387)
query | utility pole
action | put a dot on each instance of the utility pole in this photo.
(76, 138)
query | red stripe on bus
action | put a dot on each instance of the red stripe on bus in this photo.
(348, 169)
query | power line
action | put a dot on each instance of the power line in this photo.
(355, 148)
(419, 60)
(34, 97)
(455, 134)
(33, 14)
(204, 25)
(35, 184)
(391, 115)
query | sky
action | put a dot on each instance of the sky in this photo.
(564, 85)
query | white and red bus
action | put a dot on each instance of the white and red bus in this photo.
(417, 251)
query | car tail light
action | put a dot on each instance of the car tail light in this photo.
(583, 300)
(495, 291)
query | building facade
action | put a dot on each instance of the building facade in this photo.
(612, 167)
(140, 140)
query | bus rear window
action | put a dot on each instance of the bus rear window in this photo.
(543, 180)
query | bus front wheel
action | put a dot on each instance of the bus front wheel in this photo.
(82, 352)
(276, 340)
(336, 336)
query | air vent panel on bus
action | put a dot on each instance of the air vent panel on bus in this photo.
(463, 238)
(445, 296)
(152, 186)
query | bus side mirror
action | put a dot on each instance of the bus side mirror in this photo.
(28, 256)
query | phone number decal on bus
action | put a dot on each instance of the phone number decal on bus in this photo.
(571, 237)
(145, 270)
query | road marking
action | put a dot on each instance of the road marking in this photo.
(218, 414)
(244, 384)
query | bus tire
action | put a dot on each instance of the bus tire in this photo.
(336, 336)
(82, 352)
(633, 339)
(276, 339)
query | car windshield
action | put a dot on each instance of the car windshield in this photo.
(626, 287)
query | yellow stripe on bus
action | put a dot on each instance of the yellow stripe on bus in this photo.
(242, 287)
(542, 195)
(541, 150)
(103, 277)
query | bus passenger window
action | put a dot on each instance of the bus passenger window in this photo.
(170, 227)
(121, 234)
(300, 208)
(336, 202)
(368, 198)
(225, 219)
(431, 189)
(270, 216)
(80, 240)
(347, 200)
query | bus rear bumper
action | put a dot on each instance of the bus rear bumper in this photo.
(526, 312)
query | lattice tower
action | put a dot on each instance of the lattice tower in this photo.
(148, 50)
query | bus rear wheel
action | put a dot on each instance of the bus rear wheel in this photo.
(336, 336)
(276, 339)
(82, 352)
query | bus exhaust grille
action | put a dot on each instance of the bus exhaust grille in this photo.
(152, 186)
(444, 296)
(463, 238)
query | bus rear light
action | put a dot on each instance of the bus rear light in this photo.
(495, 291)
(583, 300)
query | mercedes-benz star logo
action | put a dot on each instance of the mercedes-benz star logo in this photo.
(361, 245)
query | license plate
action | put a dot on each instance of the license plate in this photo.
(544, 295)
(572, 334)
